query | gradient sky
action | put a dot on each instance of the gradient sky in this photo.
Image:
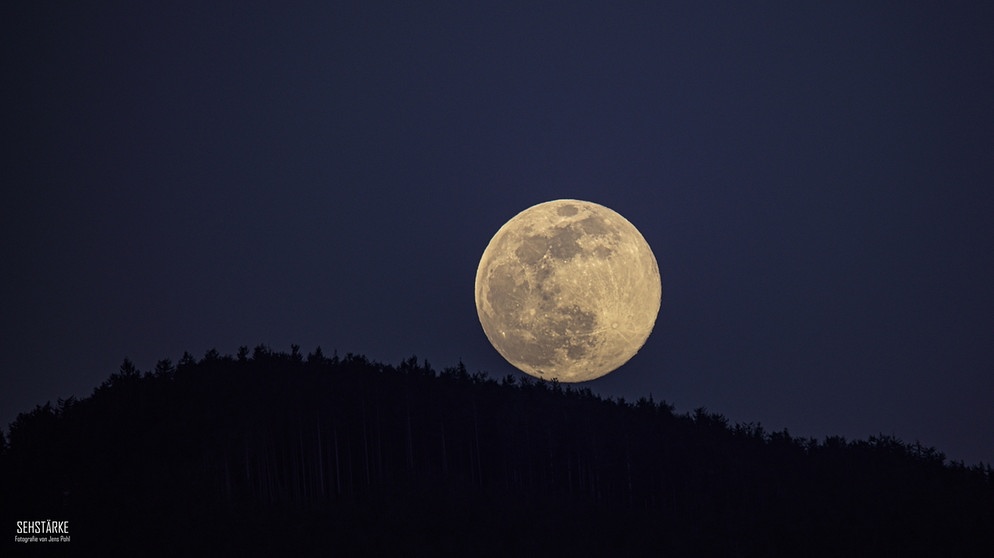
(817, 183)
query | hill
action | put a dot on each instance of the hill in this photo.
(267, 452)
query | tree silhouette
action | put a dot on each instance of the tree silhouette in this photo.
(270, 451)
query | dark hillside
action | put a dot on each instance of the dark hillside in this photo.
(271, 453)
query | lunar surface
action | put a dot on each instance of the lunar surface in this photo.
(568, 290)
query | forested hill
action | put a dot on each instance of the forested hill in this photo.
(269, 453)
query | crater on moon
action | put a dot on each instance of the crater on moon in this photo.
(568, 289)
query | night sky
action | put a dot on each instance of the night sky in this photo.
(816, 182)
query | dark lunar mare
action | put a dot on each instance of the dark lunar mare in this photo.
(567, 328)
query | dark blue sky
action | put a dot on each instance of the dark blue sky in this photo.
(817, 183)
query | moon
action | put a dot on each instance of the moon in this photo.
(568, 290)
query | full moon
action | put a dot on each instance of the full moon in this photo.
(568, 290)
